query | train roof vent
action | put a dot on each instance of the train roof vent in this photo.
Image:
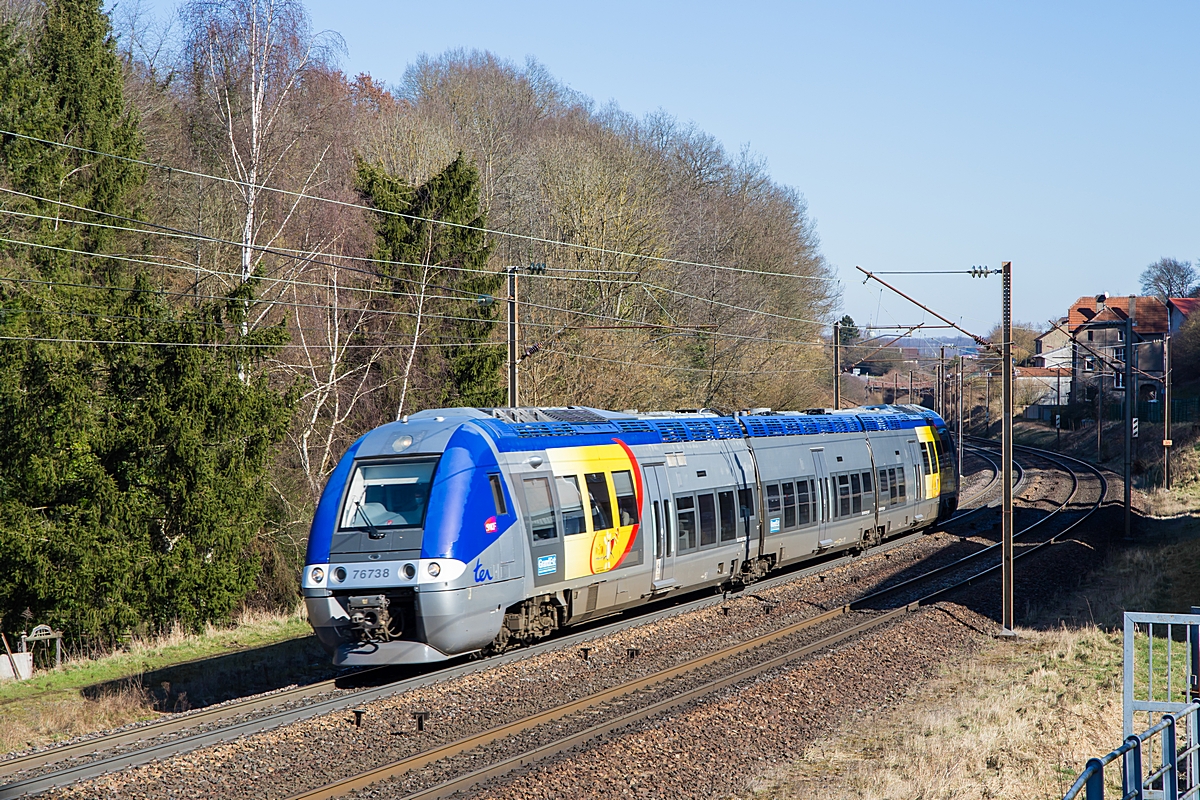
(727, 428)
(764, 426)
(579, 416)
(872, 423)
(633, 426)
(842, 423)
(700, 430)
(671, 430)
(529, 430)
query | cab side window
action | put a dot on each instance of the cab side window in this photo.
(498, 494)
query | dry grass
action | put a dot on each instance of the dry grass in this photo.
(1020, 718)
(38, 721)
(1017, 721)
(88, 694)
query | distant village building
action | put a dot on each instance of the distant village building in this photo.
(1053, 348)
(1098, 357)
(1041, 386)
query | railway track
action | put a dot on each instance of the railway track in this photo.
(685, 683)
(78, 760)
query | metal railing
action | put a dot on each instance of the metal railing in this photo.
(1168, 685)
(1164, 782)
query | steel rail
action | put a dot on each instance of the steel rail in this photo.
(979, 554)
(89, 769)
(82, 749)
(466, 781)
(984, 453)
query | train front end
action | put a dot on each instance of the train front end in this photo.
(413, 554)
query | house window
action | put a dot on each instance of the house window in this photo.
(1089, 364)
(1118, 380)
(1090, 335)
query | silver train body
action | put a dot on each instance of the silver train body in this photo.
(464, 530)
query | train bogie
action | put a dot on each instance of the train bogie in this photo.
(466, 530)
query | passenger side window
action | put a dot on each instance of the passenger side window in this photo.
(668, 535)
(597, 488)
(789, 505)
(728, 516)
(900, 485)
(856, 493)
(572, 505)
(843, 484)
(540, 505)
(746, 507)
(883, 487)
(685, 510)
(626, 499)
(708, 519)
(893, 495)
(803, 515)
(658, 531)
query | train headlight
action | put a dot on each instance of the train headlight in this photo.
(401, 443)
(435, 569)
(339, 574)
(410, 571)
(317, 574)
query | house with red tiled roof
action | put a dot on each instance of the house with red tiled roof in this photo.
(1179, 309)
(1098, 358)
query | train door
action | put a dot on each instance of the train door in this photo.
(823, 498)
(657, 517)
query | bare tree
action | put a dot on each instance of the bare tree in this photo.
(1169, 277)
(249, 63)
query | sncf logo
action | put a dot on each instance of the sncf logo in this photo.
(491, 526)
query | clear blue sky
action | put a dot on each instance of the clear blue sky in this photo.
(1060, 136)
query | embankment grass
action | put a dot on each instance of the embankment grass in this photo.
(1019, 718)
(1009, 723)
(88, 694)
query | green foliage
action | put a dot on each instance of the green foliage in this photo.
(134, 482)
(848, 332)
(1185, 351)
(448, 260)
(134, 479)
(67, 86)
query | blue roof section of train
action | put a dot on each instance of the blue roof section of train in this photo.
(635, 430)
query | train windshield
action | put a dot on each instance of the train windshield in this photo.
(390, 495)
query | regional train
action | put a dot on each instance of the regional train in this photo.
(462, 530)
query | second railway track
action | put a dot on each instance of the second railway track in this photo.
(87, 770)
(683, 684)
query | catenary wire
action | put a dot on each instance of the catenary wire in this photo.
(316, 256)
(184, 267)
(347, 204)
